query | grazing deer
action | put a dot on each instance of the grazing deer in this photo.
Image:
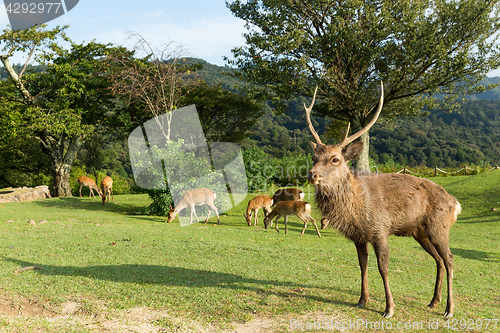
(368, 208)
(86, 181)
(260, 201)
(300, 208)
(107, 189)
(287, 194)
(196, 197)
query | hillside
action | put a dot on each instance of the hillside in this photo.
(469, 136)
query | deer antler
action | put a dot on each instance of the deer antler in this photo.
(348, 140)
(308, 118)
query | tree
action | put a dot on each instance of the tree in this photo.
(421, 50)
(155, 83)
(225, 116)
(61, 106)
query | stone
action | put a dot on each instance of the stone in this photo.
(10, 194)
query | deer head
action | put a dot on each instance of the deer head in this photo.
(330, 161)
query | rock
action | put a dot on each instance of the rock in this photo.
(10, 194)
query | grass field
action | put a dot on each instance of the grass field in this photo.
(105, 269)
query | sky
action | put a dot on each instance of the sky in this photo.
(204, 29)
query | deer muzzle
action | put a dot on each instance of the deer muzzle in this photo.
(313, 177)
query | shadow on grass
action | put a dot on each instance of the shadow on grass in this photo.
(89, 204)
(179, 276)
(476, 255)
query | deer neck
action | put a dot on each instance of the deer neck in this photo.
(343, 204)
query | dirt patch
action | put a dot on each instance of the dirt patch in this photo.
(72, 314)
(23, 307)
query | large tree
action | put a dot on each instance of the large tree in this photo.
(422, 50)
(61, 106)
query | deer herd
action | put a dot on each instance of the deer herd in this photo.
(104, 192)
(365, 208)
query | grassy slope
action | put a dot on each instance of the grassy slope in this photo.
(104, 256)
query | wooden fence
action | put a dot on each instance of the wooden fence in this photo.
(436, 171)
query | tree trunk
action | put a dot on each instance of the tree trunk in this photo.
(61, 186)
(62, 153)
(363, 161)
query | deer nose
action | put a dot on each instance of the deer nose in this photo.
(313, 177)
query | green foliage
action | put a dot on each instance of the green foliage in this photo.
(259, 169)
(185, 169)
(418, 49)
(469, 136)
(225, 116)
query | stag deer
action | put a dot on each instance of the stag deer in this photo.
(107, 189)
(300, 208)
(86, 181)
(260, 201)
(368, 208)
(196, 197)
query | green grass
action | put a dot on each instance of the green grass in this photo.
(109, 261)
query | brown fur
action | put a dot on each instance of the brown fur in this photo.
(90, 183)
(196, 197)
(107, 189)
(301, 209)
(287, 194)
(260, 201)
(367, 208)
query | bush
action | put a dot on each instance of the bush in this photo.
(185, 169)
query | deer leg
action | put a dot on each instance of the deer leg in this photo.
(286, 224)
(91, 192)
(256, 220)
(193, 211)
(212, 205)
(441, 245)
(81, 190)
(362, 249)
(315, 226)
(305, 225)
(209, 212)
(276, 221)
(324, 223)
(422, 239)
(382, 252)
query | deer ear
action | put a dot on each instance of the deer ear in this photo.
(353, 151)
(313, 145)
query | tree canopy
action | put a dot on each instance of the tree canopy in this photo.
(60, 106)
(419, 49)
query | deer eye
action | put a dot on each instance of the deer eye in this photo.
(335, 160)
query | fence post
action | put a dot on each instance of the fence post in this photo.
(404, 170)
(435, 171)
(465, 170)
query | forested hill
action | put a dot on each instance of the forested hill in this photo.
(468, 136)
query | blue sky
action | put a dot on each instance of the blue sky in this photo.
(204, 29)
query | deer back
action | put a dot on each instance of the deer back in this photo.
(287, 194)
(370, 205)
(87, 181)
(199, 196)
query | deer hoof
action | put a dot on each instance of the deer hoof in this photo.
(448, 314)
(359, 305)
(387, 315)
